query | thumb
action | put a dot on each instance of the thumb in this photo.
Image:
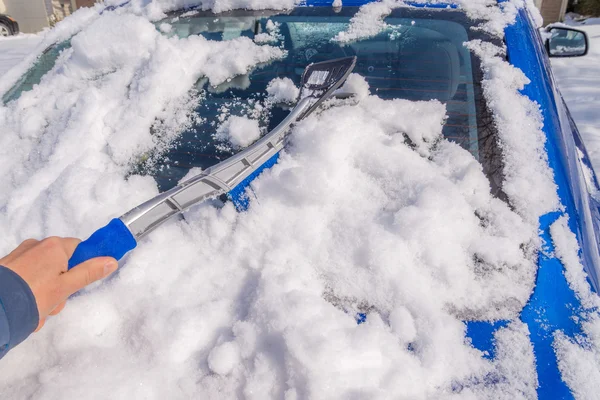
(88, 272)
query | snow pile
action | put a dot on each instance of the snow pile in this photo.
(355, 85)
(224, 358)
(578, 358)
(239, 131)
(263, 303)
(528, 180)
(282, 90)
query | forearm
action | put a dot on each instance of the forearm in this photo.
(18, 310)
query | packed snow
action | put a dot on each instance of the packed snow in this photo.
(263, 304)
(238, 131)
(526, 169)
(261, 315)
(282, 90)
(356, 86)
(368, 21)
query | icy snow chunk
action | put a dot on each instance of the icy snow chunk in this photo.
(282, 90)
(223, 358)
(567, 250)
(191, 173)
(165, 28)
(272, 26)
(355, 85)
(265, 38)
(368, 21)
(271, 36)
(239, 131)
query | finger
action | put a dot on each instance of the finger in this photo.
(22, 248)
(40, 325)
(87, 272)
(58, 308)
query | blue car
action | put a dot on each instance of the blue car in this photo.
(420, 56)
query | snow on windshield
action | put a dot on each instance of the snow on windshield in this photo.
(369, 211)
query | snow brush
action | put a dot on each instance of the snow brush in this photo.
(230, 176)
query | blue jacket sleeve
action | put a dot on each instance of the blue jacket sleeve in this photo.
(18, 310)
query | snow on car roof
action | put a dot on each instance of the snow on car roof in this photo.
(262, 304)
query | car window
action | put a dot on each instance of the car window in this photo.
(419, 56)
(34, 75)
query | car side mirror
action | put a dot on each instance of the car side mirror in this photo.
(566, 42)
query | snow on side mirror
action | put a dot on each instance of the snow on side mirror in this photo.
(566, 42)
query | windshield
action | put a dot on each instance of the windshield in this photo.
(34, 75)
(419, 55)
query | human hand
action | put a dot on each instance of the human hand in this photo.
(44, 266)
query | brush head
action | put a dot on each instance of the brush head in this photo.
(323, 75)
(321, 79)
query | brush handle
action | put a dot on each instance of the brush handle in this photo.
(113, 240)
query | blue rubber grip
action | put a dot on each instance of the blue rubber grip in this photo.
(114, 240)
